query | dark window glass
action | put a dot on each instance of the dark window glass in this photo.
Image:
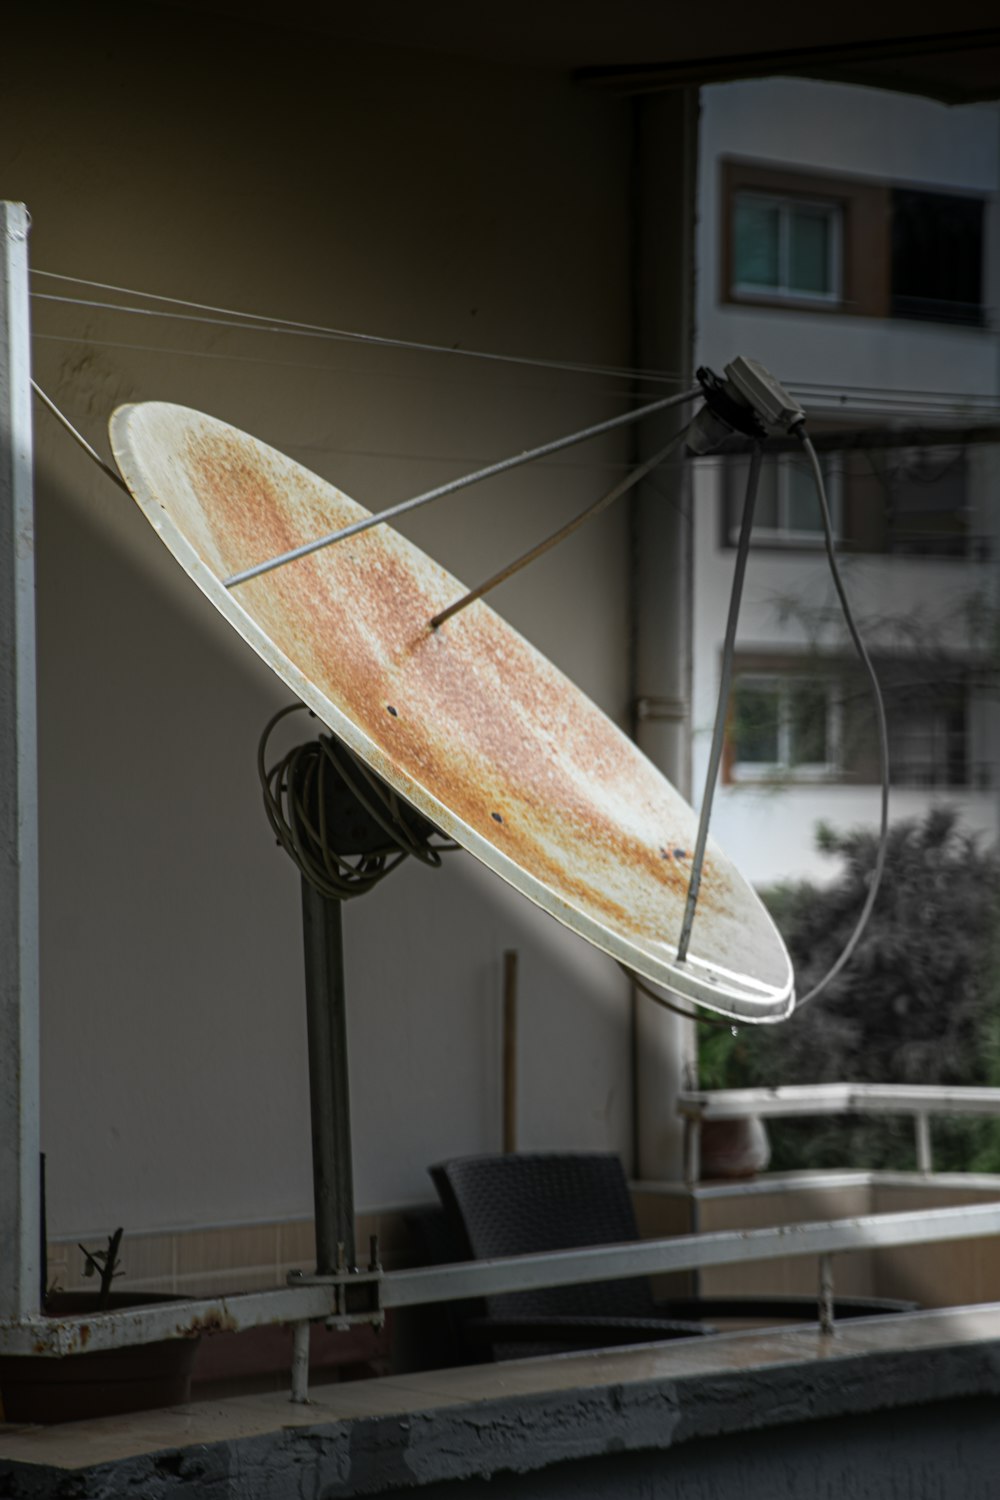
(756, 724)
(810, 250)
(780, 723)
(808, 711)
(937, 256)
(786, 247)
(928, 740)
(929, 729)
(757, 235)
(927, 503)
(787, 511)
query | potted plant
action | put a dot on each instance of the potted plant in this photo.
(102, 1382)
(736, 1148)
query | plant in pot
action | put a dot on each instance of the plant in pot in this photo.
(102, 1382)
(736, 1148)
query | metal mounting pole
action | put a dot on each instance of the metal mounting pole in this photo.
(19, 1129)
(329, 1091)
(725, 683)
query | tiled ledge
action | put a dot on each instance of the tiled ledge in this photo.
(203, 1262)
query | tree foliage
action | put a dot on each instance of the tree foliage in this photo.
(919, 1001)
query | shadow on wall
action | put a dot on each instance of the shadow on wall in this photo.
(173, 1026)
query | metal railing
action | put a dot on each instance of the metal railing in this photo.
(330, 1298)
(919, 1100)
(346, 1298)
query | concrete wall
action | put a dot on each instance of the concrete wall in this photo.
(944, 1448)
(849, 369)
(374, 190)
(903, 1407)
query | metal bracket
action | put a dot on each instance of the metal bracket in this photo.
(358, 1294)
(667, 710)
(767, 397)
(359, 1301)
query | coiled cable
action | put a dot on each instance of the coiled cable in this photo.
(343, 827)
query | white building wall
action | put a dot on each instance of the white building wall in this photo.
(851, 368)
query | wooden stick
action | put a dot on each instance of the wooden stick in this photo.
(510, 1050)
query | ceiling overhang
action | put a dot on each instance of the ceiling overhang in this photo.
(954, 67)
(641, 46)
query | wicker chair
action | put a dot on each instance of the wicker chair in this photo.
(521, 1204)
(518, 1204)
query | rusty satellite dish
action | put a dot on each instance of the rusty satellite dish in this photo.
(472, 725)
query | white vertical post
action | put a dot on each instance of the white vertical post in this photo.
(692, 1150)
(925, 1160)
(19, 1134)
(300, 1363)
(826, 1294)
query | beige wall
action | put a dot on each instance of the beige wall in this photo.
(952, 1273)
(402, 194)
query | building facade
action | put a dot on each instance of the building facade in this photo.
(847, 239)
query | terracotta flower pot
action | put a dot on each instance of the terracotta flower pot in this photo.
(734, 1148)
(36, 1388)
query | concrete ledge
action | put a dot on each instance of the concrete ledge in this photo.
(529, 1417)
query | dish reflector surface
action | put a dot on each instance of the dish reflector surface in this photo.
(472, 725)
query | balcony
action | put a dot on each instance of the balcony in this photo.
(839, 1387)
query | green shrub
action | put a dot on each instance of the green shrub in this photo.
(919, 1002)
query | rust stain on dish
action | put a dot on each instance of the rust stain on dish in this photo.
(470, 716)
(359, 617)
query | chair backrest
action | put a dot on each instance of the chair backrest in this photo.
(522, 1203)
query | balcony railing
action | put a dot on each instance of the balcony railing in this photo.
(919, 1100)
(351, 1296)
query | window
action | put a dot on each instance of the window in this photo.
(937, 256)
(787, 511)
(826, 243)
(914, 502)
(799, 721)
(928, 743)
(928, 705)
(782, 725)
(814, 241)
(926, 498)
(785, 247)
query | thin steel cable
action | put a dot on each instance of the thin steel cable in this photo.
(292, 364)
(79, 437)
(631, 384)
(608, 498)
(266, 323)
(324, 448)
(501, 467)
(880, 718)
(725, 683)
(263, 323)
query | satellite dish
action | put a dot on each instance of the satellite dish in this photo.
(472, 725)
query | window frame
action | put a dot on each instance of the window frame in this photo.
(784, 769)
(955, 767)
(786, 203)
(864, 236)
(783, 536)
